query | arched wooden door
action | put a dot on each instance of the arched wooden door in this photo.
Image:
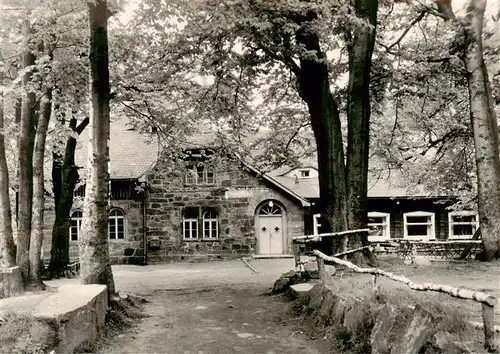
(270, 229)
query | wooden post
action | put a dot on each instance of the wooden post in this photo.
(413, 254)
(345, 241)
(296, 255)
(489, 328)
(321, 269)
(374, 283)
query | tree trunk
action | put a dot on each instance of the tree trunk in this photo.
(17, 120)
(57, 176)
(39, 192)
(485, 127)
(36, 240)
(7, 245)
(315, 91)
(94, 251)
(358, 117)
(64, 179)
(28, 124)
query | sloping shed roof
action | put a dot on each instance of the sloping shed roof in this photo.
(377, 188)
(131, 153)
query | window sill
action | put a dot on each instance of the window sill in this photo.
(200, 184)
(378, 238)
(420, 238)
(73, 242)
(201, 240)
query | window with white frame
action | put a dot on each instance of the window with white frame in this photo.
(76, 224)
(116, 225)
(200, 174)
(419, 225)
(316, 224)
(210, 228)
(190, 224)
(462, 224)
(380, 225)
(200, 223)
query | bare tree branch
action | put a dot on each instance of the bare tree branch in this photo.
(405, 32)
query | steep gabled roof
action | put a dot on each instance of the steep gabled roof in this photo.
(303, 202)
(131, 153)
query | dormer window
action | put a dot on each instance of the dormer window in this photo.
(200, 174)
(305, 173)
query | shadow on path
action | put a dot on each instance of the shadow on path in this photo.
(215, 320)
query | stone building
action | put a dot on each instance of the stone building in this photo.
(219, 207)
(210, 206)
(203, 206)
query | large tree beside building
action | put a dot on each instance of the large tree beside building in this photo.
(65, 177)
(93, 247)
(29, 120)
(272, 50)
(468, 45)
(485, 127)
(7, 246)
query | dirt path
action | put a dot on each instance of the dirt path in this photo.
(216, 307)
(215, 320)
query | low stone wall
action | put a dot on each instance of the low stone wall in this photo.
(76, 314)
(379, 326)
(61, 321)
(11, 282)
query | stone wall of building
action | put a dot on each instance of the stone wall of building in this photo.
(235, 196)
(127, 250)
(131, 245)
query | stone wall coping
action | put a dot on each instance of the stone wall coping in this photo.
(25, 304)
(68, 299)
(9, 270)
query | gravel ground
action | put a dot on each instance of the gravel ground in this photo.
(140, 280)
(221, 307)
(216, 307)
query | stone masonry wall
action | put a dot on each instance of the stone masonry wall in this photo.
(235, 196)
(120, 249)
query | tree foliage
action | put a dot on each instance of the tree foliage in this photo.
(229, 62)
(55, 45)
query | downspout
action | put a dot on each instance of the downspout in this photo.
(141, 189)
(144, 227)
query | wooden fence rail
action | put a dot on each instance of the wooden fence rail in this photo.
(308, 239)
(330, 234)
(488, 301)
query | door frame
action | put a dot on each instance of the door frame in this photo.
(284, 219)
